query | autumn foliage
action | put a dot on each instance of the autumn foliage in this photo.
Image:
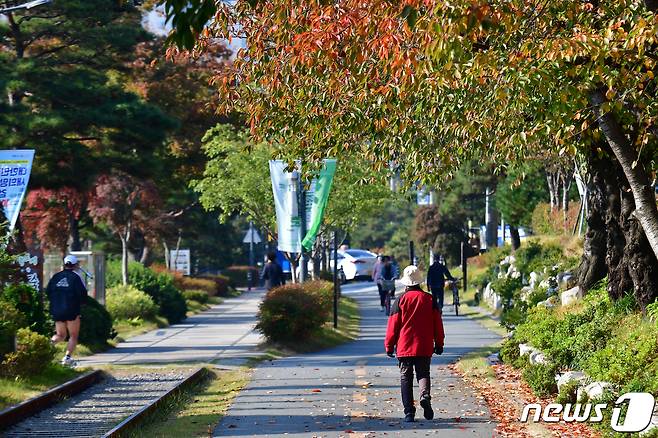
(49, 215)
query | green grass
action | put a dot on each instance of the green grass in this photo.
(474, 364)
(194, 307)
(196, 411)
(16, 390)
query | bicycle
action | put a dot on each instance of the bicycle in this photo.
(388, 286)
(455, 295)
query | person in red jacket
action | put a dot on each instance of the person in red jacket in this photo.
(414, 332)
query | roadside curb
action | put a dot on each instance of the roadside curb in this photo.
(21, 411)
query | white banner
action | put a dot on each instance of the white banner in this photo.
(15, 168)
(285, 186)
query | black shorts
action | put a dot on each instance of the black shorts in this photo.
(66, 317)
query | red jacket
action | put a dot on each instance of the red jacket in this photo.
(415, 325)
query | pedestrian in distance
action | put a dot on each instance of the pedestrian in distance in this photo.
(66, 293)
(414, 332)
(272, 273)
(436, 279)
(377, 277)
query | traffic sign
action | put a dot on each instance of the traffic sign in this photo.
(251, 236)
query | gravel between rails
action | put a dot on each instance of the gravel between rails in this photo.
(99, 408)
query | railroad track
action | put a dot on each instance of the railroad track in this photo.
(110, 407)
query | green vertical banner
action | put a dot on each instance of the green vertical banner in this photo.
(320, 193)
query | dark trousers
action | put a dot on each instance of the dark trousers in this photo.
(407, 366)
(382, 294)
(437, 296)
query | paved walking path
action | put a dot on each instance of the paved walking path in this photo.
(225, 332)
(353, 390)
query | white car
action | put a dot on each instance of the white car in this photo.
(356, 263)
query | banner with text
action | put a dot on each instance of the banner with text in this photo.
(15, 169)
(285, 187)
(319, 197)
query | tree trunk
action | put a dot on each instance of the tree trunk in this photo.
(514, 236)
(553, 189)
(613, 230)
(124, 260)
(566, 179)
(146, 252)
(74, 224)
(645, 200)
(592, 267)
(166, 254)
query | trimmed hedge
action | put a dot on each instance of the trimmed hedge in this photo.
(128, 302)
(160, 287)
(293, 312)
(95, 324)
(237, 275)
(200, 296)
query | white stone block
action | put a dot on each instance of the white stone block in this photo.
(570, 296)
(526, 349)
(569, 376)
(538, 358)
(594, 390)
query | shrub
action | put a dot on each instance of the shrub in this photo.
(28, 301)
(509, 351)
(630, 357)
(512, 317)
(545, 221)
(541, 378)
(10, 321)
(128, 302)
(237, 275)
(568, 392)
(291, 313)
(222, 286)
(33, 353)
(200, 296)
(188, 283)
(323, 290)
(535, 257)
(95, 324)
(160, 287)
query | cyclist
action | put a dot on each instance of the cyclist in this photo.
(436, 278)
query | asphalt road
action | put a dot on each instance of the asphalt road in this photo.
(353, 390)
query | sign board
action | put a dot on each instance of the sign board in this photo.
(423, 197)
(179, 260)
(15, 168)
(251, 236)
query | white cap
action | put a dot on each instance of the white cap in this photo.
(411, 276)
(70, 260)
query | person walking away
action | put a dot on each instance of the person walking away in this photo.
(66, 293)
(272, 273)
(388, 281)
(377, 278)
(436, 279)
(414, 332)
